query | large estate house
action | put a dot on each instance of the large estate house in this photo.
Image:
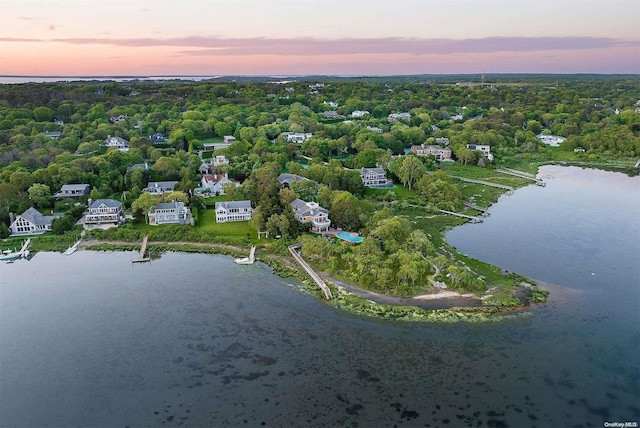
(103, 211)
(31, 222)
(233, 211)
(117, 143)
(73, 191)
(170, 213)
(297, 137)
(399, 116)
(440, 153)
(374, 177)
(311, 212)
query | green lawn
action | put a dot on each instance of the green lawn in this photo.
(236, 229)
(399, 190)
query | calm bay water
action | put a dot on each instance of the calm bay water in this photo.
(195, 340)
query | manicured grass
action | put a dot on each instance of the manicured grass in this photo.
(236, 229)
(211, 200)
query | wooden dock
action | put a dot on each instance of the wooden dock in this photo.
(294, 252)
(509, 189)
(473, 206)
(468, 217)
(522, 174)
(143, 250)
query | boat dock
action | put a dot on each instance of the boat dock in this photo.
(72, 249)
(468, 217)
(143, 251)
(522, 174)
(509, 189)
(473, 206)
(294, 252)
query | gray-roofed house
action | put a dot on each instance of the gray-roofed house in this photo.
(31, 222)
(104, 211)
(54, 135)
(374, 177)
(160, 187)
(286, 179)
(117, 143)
(170, 213)
(73, 191)
(311, 212)
(142, 166)
(233, 211)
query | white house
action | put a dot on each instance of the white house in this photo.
(160, 187)
(434, 150)
(374, 129)
(233, 211)
(484, 148)
(229, 139)
(54, 135)
(297, 137)
(213, 163)
(31, 222)
(73, 191)
(117, 143)
(374, 177)
(170, 213)
(443, 141)
(214, 183)
(359, 113)
(311, 212)
(104, 211)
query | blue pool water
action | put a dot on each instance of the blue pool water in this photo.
(347, 236)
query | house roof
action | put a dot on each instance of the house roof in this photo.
(289, 178)
(170, 205)
(111, 203)
(34, 216)
(363, 171)
(74, 187)
(233, 204)
(162, 184)
(301, 207)
(117, 140)
(214, 178)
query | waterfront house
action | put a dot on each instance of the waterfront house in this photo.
(31, 222)
(117, 143)
(436, 151)
(170, 213)
(311, 212)
(484, 148)
(374, 177)
(73, 191)
(103, 211)
(233, 211)
(160, 187)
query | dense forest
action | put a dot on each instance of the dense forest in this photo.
(54, 134)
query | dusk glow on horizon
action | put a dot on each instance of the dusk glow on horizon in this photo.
(294, 37)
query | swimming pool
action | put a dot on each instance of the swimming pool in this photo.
(350, 237)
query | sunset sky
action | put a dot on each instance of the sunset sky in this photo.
(294, 37)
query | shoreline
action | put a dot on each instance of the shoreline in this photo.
(443, 306)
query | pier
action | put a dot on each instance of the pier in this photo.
(294, 252)
(509, 189)
(468, 217)
(522, 174)
(484, 211)
(143, 250)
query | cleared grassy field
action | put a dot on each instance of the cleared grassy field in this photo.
(236, 229)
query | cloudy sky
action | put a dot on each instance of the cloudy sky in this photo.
(292, 37)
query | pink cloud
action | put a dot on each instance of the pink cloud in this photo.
(219, 46)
